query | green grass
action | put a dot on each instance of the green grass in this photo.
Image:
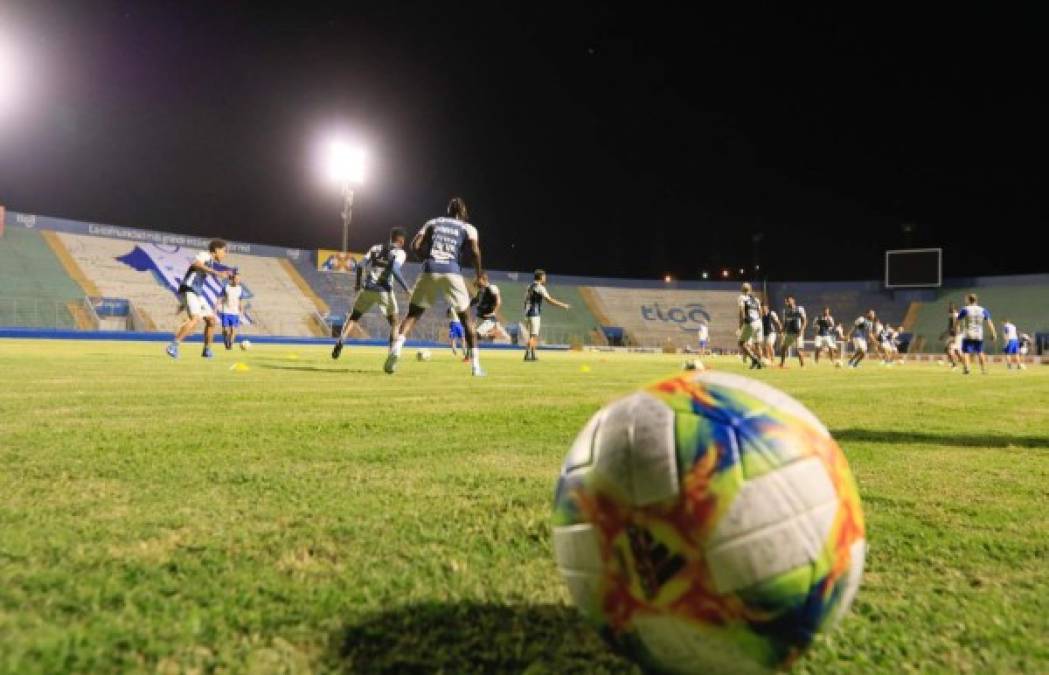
(311, 515)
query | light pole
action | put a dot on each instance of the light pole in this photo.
(345, 167)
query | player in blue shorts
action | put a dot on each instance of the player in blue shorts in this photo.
(230, 308)
(970, 321)
(1012, 346)
(456, 334)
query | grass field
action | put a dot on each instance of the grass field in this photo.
(311, 515)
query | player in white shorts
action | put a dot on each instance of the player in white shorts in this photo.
(486, 305)
(380, 266)
(952, 345)
(1012, 346)
(749, 325)
(770, 330)
(441, 243)
(969, 323)
(192, 300)
(825, 334)
(533, 309)
(794, 323)
(862, 334)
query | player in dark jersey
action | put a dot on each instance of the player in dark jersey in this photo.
(794, 322)
(952, 337)
(533, 309)
(770, 330)
(486, 305)
(825, 336)
(441, 243)
(381, 266)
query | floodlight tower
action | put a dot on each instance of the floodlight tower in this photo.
(345, 167)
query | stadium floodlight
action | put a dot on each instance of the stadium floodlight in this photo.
(667, 278)
(706, 275)
(724, 274)
(10, 83)
(741, 271)
(344, 165)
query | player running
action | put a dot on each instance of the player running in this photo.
(952, 345)
(970, 322)
(862, 335)
(749, 325)
(230, 309)
(486, 305)
(440, 243)
(794, 323)
(380, 266)
(886, 346)
(825, 336)
(192, 300)
(1025, 344)
(1012, 346)
(533, 309)
(770, 329)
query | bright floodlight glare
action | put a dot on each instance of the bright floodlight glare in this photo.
(8, 74)
(345, 163)
(706, 275)
(667, 278)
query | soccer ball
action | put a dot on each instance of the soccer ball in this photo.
(245, 345)
(708, 523)
(838, 363)
(423, 355)
(694, 364)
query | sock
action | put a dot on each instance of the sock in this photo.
(475, 358)
(397, 344)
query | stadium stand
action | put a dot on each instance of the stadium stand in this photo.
(70, 275)
(36, 289)
(659, 316)
(1025, 304)
(276, 305)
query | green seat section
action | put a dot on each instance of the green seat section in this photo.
(34, 287)
(559, 326)
(1027, 306)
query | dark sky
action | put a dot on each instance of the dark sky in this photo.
(631, 141)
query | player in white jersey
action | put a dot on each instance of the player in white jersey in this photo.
(1011, 338)
(230, 308)
(703, 338)
(535, 294)
(379, 268)
(749, 325)
(192, 300)
(970, 322)
(794, 323)
(440, 244)
(1025, 344)
(862, 336)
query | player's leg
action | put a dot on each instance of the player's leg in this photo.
(209, 330)
(798, 344)
(232, 334)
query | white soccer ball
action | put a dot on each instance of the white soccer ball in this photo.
(245, 345)
(423, 355)
(838, 364)
(694, 364)
(708, 524)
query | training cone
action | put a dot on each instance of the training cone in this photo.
(293, 357)
(239, 367)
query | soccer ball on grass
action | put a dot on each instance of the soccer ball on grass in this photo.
(708, 523)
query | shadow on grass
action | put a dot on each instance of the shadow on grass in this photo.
(951, 440)
(315, 369)
(475, 638)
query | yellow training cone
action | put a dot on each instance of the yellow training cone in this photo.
(239, 367)
(293, 357)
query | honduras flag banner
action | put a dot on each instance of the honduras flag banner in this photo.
(168, 264)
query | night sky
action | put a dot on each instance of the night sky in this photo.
(632, 141)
